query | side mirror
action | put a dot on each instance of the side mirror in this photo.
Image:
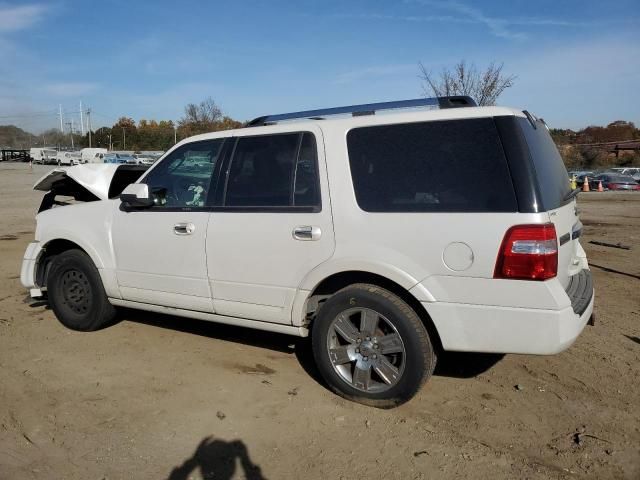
(136, 195)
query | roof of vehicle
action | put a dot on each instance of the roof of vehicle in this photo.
(348, 122)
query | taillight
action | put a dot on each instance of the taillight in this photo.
(528, 252)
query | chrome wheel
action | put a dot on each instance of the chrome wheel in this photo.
(366, 350)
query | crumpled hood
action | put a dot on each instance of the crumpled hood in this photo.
(96, 178)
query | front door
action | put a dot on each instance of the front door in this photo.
(160, 251)
(271, 226)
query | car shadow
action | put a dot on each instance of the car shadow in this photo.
(220, 331)
(218, 459)
(465, 364)
(450, 364)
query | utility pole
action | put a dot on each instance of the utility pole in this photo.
(124, 139)
(70, 124)
(81, 122)
(175, 134)
(61, 127)
(89, 124)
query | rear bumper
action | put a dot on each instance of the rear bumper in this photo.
(481, 328)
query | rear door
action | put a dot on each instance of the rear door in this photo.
(555, 194)
(272, 224)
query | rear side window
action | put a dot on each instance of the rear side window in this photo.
(443, 166)
(274, 171)
(552, 176)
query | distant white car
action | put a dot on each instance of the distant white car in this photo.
(68, 158)
(356, 225)
(144, 159)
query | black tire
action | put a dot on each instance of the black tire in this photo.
(418, 355)
(76, 293)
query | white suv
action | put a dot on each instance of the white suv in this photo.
(388, 232)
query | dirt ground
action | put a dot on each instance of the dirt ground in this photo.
(164, 397)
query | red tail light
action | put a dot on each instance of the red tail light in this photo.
(528, 252)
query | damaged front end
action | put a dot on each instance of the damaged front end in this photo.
(86, 183)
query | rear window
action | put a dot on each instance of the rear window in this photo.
(553, 180)
(443, 166)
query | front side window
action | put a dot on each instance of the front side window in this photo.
(183, 178)
(438, 166)
(274, 171)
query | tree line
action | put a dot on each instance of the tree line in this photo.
(126, 134)
(485, 85)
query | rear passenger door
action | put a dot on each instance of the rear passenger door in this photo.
(272, 224)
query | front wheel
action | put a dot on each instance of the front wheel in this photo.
(371, 347)
(76, 293)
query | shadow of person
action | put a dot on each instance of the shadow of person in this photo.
(216, 460)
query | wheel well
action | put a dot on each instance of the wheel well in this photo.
(338, 281)
(49, 252)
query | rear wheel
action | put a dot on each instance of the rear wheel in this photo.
(371, 347)
(76, 293)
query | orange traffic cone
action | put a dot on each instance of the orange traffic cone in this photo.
(600, 189)
(585, 185)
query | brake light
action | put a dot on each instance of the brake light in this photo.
(528, 252)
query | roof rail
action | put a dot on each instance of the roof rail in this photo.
(368, 109)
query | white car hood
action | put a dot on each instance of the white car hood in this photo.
(94, 177)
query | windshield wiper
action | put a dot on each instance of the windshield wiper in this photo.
(572, 194)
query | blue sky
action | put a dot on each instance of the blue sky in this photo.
(577, 62)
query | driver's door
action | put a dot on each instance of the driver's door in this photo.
(160, 251)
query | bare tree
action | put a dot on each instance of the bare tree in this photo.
(484, 87)
(204, 113)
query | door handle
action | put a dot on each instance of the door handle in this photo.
(184, 228)
(307, 233)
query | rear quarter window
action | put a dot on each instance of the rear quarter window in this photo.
(551, 174)
(439, 166)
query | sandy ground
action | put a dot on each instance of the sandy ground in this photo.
(164, 397)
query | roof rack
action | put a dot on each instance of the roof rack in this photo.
(367, 109)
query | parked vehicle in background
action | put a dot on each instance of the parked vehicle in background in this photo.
(626, 170)
(142, 159)
(580, 175)
(43, 155)
(632, 171)
(614, 181)
(355, 227)
(92, 155)
(119, 158)
(68, 158)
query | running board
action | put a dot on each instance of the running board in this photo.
(212, 317)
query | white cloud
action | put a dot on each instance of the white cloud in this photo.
(16, 18)
(503, 27)
(71, 89)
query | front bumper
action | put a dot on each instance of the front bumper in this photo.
(28, 269)
(495, 329)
